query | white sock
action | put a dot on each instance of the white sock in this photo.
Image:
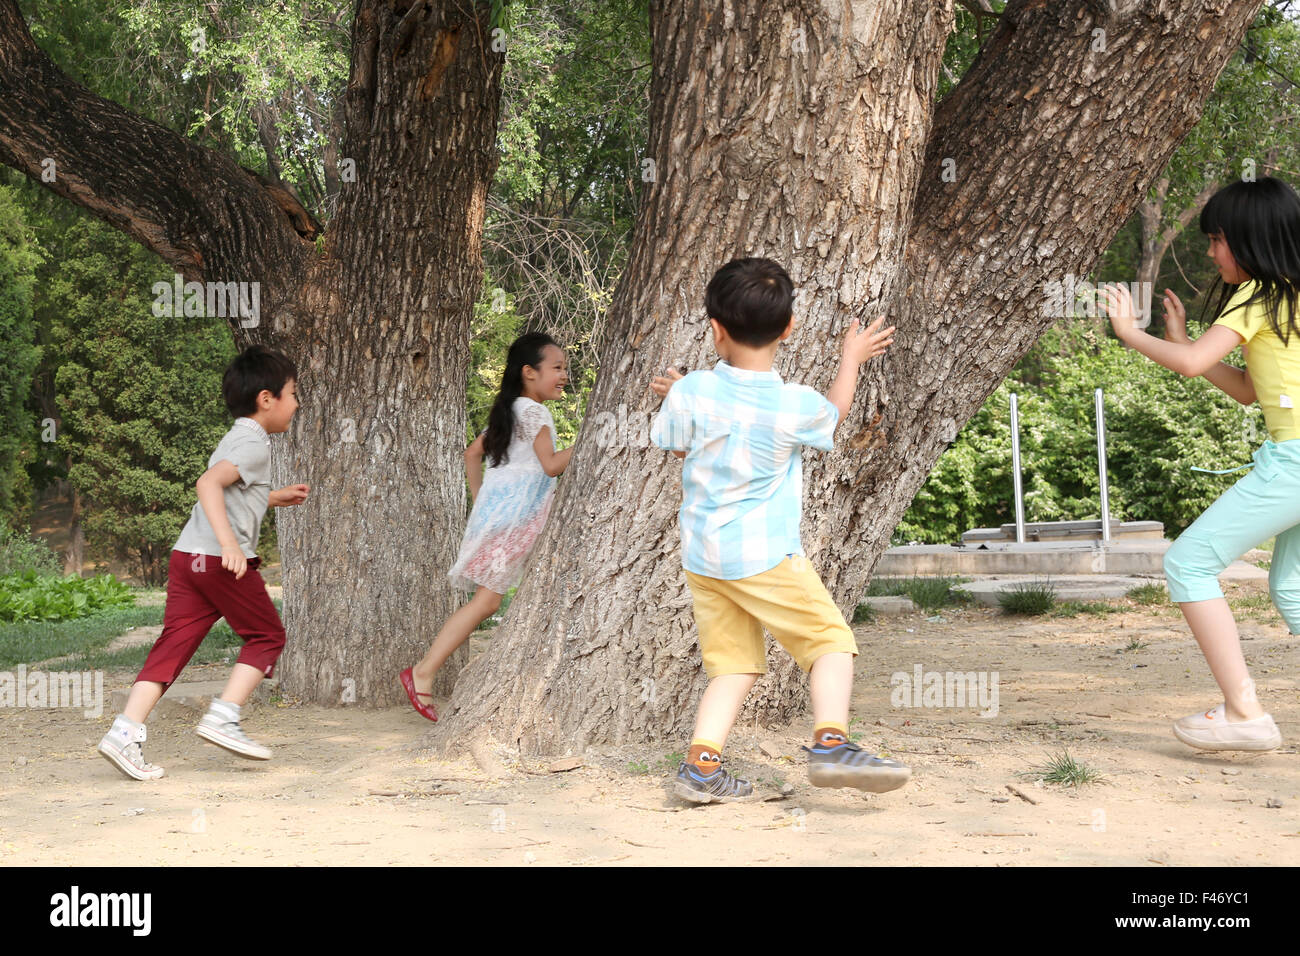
(224, 709)
(126, 728)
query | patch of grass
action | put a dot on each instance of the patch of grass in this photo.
(854, 735)
(221, 646)
(85, 639)
(671, 761)
(1028, 597)
(29, 641)
(638, 768)
(886, 587)
(1147, 594)
(147, 596)
(1072, 608)
(1134, 645)
(1251, 601)
(864, 614)
(1063, 769)
(930, 593)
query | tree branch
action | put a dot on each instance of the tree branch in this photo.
(196, 208)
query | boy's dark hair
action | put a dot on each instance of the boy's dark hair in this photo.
(752, 299)
(254, 369)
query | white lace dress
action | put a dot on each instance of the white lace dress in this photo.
(510, 509)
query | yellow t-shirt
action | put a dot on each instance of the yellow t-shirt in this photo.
(1274, 367)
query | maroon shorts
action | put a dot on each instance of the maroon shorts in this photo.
(199, 592)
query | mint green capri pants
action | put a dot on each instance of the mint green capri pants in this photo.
(1263, 504)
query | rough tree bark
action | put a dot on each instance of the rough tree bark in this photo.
(1021, 175)
(793, 131)
(377, 319)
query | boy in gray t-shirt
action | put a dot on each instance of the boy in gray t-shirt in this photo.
(213, 569)
(248, 448)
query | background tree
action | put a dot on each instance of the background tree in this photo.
(1246, 131)
(572, 134)
(139, 395)
(19, 257)
(376, 312)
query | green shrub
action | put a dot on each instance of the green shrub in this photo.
(1158, 425)
(1028, 597)
(19, 552)
(43, 597)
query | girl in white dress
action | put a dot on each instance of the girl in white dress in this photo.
(511, 501)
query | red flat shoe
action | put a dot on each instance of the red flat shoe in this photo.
(408, 683)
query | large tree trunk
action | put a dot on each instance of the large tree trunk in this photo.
(1034, 162)
(366, 557)
(377, 320)
(792, 133)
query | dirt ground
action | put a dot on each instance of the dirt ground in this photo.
(347, 786)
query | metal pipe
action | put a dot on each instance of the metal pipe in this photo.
(1101, 464)
(1015, 462)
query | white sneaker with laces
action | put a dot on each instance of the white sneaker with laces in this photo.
(121, 747)
(1213, 731)
(220, 725)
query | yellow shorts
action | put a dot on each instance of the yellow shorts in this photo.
(789, 599)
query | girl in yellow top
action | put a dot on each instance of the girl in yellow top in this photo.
(1254, 230)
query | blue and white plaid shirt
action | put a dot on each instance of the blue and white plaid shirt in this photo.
(742, 477)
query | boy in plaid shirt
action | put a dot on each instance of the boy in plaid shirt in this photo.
(739, 430)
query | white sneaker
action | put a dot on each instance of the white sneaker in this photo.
(1213, 731)
(121, 747)
(215, 728)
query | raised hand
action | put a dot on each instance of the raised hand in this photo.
(662, 384)
(863, 344)
(290, 495)
(1175, 319)
(1118, 304)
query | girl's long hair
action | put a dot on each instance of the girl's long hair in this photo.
(525, 350)
(1261, 223)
